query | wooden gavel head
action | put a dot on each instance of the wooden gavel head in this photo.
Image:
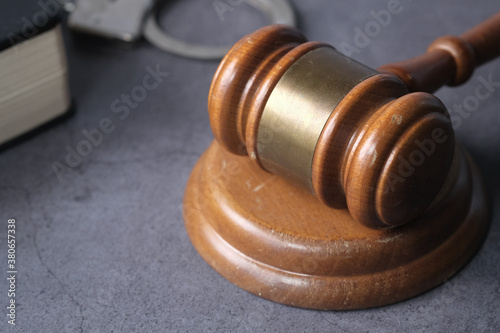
(347, 133)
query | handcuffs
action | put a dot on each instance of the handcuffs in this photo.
(105, 18)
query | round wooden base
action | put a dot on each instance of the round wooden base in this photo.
(279, 242)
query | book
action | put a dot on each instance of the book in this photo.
(34, 86)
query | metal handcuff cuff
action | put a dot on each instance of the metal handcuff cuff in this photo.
(105, 18)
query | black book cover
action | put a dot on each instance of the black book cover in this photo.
(21, 20)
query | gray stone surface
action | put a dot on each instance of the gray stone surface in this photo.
(105, 249)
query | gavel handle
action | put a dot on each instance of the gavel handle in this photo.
(449, 60)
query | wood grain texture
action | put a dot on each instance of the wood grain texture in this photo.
(378, 152)
(232, 94)
(399, 161)
(278, 241)
(375, 153)
(450, 60)
(386, 152)
(336, 138)
(485, 39)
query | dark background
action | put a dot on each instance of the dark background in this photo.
(105, 249)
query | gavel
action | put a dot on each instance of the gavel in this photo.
(374, 141)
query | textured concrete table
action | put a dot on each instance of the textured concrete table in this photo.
(102, 247)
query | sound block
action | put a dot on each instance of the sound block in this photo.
(279, 242)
